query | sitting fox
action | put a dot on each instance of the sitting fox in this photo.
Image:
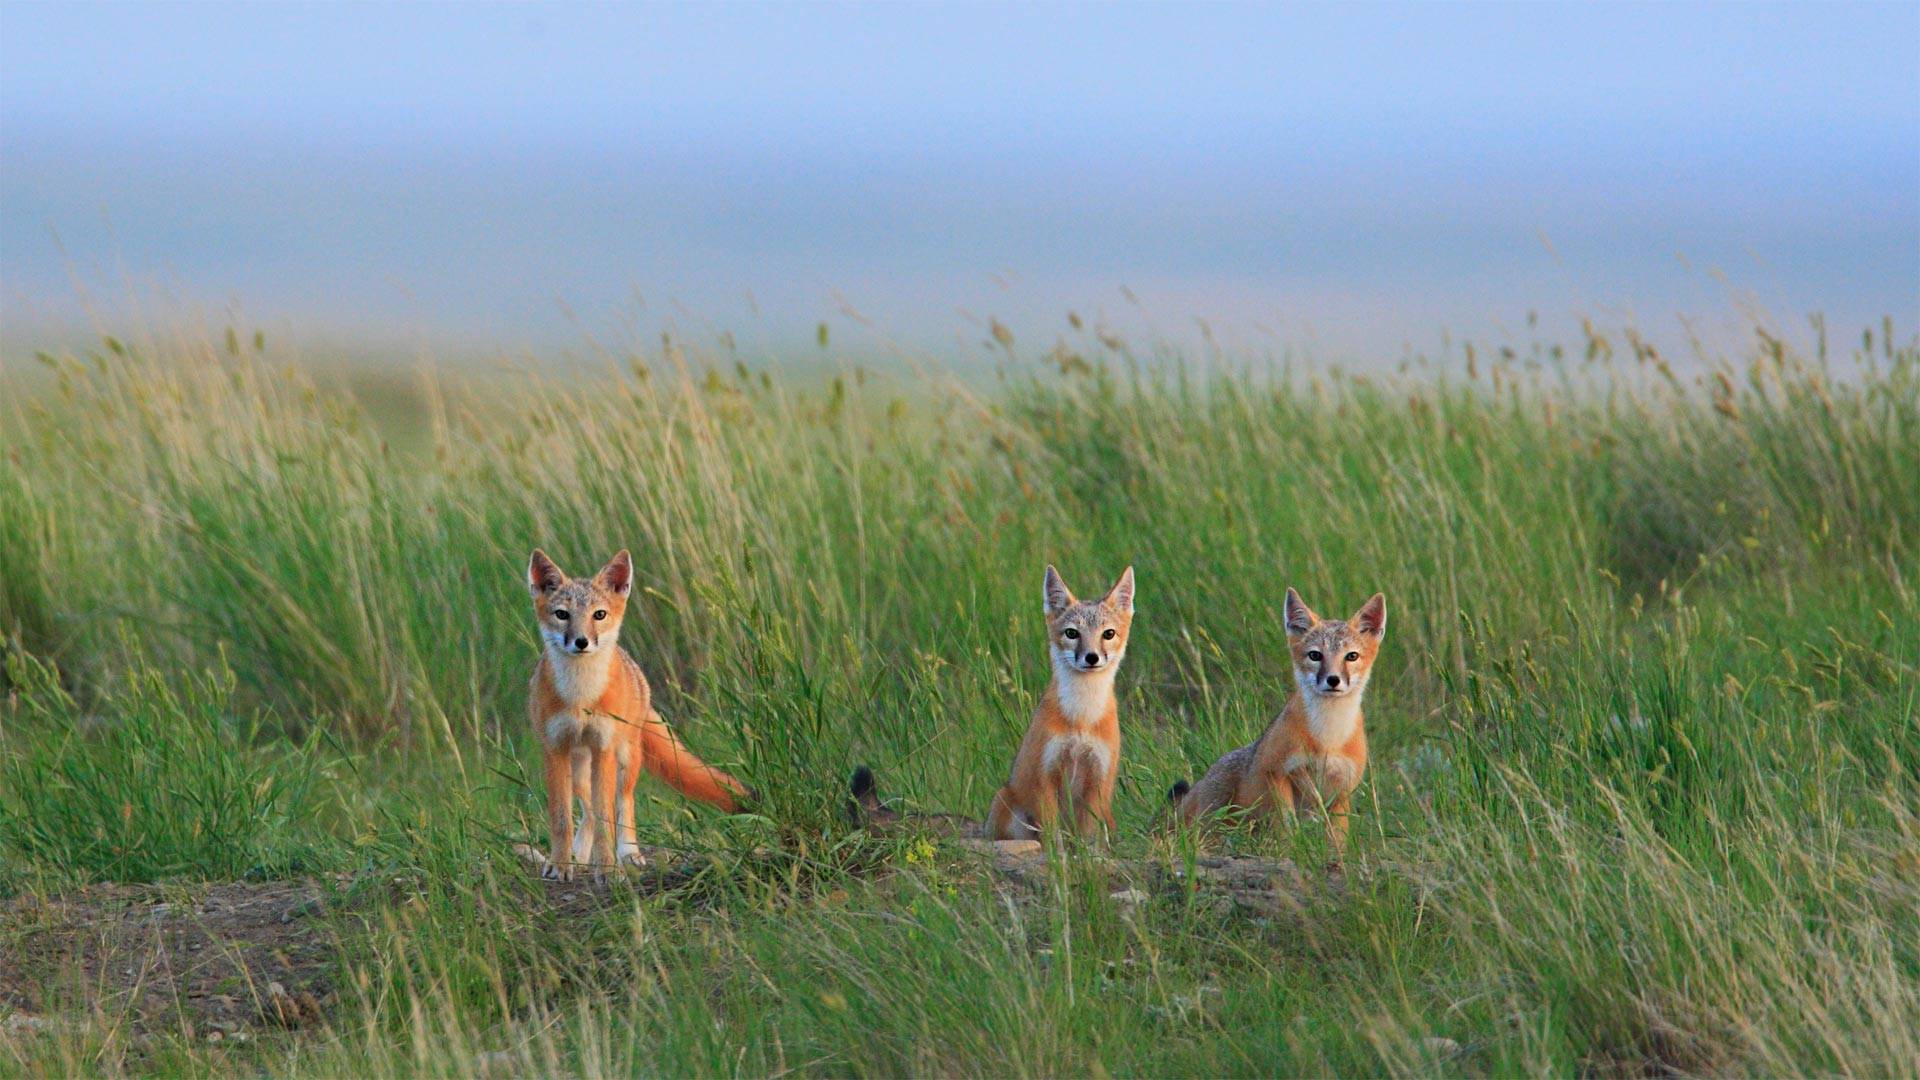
(1072, 749)
(593, 711)
(1312, 756)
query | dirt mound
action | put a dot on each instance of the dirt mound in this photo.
(1252, 884)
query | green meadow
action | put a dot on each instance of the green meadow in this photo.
(1645, 784)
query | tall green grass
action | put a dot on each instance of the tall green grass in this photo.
(1643, 793)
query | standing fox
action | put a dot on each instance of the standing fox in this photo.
(593, 711)
(1312, 756)
(1072, 750)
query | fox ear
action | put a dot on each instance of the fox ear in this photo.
(1055, 593)
(1300, 617)
(1372, 616)
(542, 575)
(618, 574)
(1120, 597)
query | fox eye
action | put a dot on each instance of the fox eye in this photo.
(1070, 634)
(1352, 656)
(598, 615)
(1313, 655)
(560, 613)
(1107, 633)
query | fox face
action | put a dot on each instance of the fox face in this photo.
(579, 617)
(1332, 658)
(1088, 635)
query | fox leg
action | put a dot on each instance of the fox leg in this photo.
(1088, 791)
(1277, 800)
(1337, 824)
(600, 811)
(1000, 817)
(1042, 818)
(583, 832)
(628, 848)
(1104, 805)
(559, 813)
(1008, 820)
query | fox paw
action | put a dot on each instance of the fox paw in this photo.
(632, 856)
(554, 871)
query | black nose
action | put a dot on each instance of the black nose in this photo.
(1333, 681)
(1092, 659)
(579, 643)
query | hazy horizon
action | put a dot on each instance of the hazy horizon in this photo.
(1342, 180)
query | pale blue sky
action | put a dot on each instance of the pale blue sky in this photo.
(1343, 178)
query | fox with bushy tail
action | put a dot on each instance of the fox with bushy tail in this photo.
(593, 711)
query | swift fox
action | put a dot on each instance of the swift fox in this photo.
(593, 711)
(1312, 756)
(1072, 749)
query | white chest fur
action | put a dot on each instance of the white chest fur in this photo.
(580, 680)
(1064, 752)
(1084, 696)
(1332, 721)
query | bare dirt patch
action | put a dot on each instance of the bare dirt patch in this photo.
(211, 961)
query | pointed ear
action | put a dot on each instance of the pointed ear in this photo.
(1120, 597)
(1055, 593)
(1372, 616)
(618, 574)
(542, 575)
(1300, 617)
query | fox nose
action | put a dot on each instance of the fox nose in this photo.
(1333, 682)
(1091, 659)
(580, 643)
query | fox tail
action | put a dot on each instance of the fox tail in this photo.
(669, 759)
(865, 801)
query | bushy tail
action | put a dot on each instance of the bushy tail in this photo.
(1180, 789)
(669, 759)
(865, 802)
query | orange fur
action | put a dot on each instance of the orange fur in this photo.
(593, 711)
(1071, 751)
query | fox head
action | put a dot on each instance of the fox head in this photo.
(1332, 658)
(579, 617)
(1088, 635)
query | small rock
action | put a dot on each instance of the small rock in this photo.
(215, 1036)
(289, 1010)
(1129, 896)
(491, 1060)
(303, 909)
(1439, 1046)
(24, 1024)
